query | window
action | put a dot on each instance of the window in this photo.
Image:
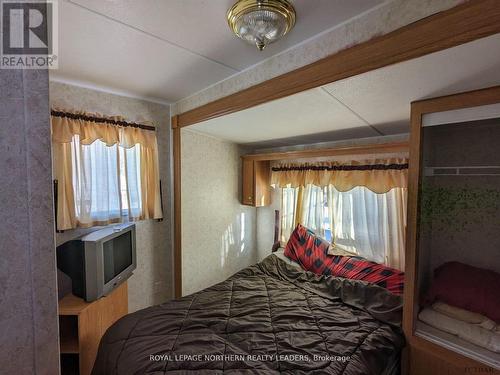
(288, 212)
(308, 206)
(369, 224)
(130, 179)
(106, 181)
(359, 220)
(104, 171)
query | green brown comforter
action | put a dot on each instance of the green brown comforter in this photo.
(270, 318)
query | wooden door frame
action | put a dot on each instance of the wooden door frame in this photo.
(462, 24)
(177, 258)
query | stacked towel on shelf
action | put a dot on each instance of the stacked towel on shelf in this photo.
(469, 326)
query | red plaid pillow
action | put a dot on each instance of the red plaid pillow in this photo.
(311, 252)
(470, 288)
(361, 269)
(306, 248)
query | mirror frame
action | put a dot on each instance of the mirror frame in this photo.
(461, 24)
(469, 99)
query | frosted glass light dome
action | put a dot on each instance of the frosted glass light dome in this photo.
(261, 22)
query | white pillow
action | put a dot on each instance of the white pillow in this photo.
(280, 253)
(464, 315)
(336, 250)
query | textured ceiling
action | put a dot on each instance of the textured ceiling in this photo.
(170, 49)
(374, 103)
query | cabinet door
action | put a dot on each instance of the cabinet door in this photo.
(438, 362)
(95, 320)
(262, 183)
(248, 183)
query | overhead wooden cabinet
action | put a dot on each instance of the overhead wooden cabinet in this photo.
(256, 182)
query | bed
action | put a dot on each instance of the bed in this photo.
(269, 318)
(461, 311)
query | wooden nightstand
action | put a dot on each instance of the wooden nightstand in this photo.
(82, 324)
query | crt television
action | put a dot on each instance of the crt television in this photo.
(100, 261)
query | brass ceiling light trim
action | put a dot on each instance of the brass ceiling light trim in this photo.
(261, 22)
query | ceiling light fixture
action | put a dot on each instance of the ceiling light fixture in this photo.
(261, 22)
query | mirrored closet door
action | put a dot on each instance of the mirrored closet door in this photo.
(453, 302)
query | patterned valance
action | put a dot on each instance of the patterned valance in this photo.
(90, 127)
(379, 176)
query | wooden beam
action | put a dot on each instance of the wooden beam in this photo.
(412, 223)
(381, 148)
(176, 144)
(486, 96)
(464, 23)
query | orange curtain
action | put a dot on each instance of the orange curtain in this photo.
(70, 141)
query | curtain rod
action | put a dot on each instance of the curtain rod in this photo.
(367, 167)
(100, 120)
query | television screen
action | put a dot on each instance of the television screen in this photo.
(117, 255)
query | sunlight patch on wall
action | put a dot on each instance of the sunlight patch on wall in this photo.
(227, 241)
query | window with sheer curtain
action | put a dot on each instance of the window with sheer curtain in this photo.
(106, 181)
(371, 225)
(105, 173)
(308, 206)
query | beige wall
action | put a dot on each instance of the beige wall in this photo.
(152, 280)
(218, 233)
(28, 300)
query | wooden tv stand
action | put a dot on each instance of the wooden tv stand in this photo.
(82, 324)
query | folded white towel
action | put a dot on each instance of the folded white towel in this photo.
(465, 315)
(474, 333)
